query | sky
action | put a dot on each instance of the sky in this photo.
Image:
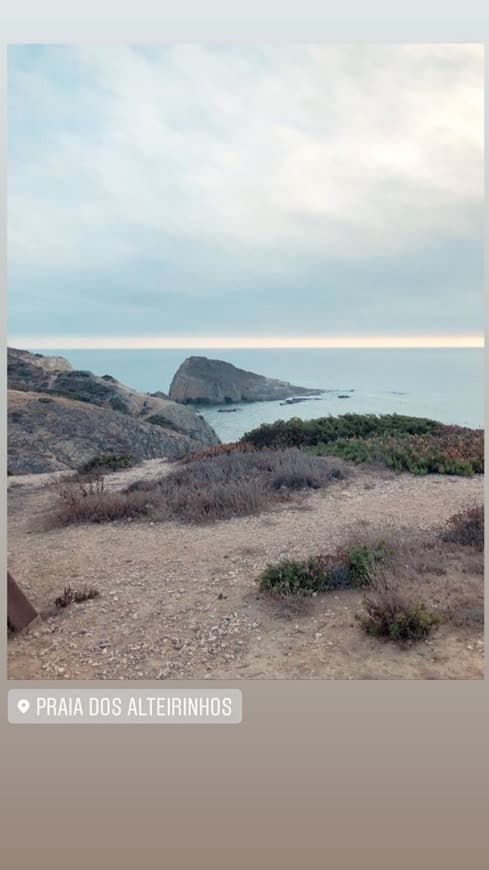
(247, 195)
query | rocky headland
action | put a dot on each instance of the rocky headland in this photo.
(60, 418)
(200, 380)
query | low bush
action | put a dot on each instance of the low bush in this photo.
(452, 450)
(87, 501)
(414, 444)
(217, 450)
(393, 612)
(76, 595)
(466, 528)
(351, 568)
(235, 483)
(216, 487)
(106, 462)
(463, 604)
(325, 430)
(364, 559)
(290, 577)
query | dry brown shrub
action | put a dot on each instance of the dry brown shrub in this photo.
(466, 528)
(395, 609)
(218, 487)
(81, 500)
(236, 483)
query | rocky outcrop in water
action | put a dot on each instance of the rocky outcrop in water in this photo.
(212, 381)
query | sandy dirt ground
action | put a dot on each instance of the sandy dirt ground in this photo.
(182, 602)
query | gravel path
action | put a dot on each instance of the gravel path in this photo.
(180, 602)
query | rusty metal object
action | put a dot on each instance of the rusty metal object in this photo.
(20, 611)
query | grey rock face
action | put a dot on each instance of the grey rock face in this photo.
(55, 376)
(212, 381)
(33, 371)
(53, 433)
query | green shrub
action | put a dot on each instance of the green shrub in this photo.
(108, 462)
(290, 577)
(363, 559)
(414, 444)
(388, 615)
(452, 450)
(346, 569)
(325, 430)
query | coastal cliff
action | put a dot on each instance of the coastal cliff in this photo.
(60, 417)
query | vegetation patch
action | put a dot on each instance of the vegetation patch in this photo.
(160, 420)
(324, 430)
(118, 405)
(79, 500)
(466, 528)
(218, 487)
(412, 581)
(394, 613)
(76, 595)
(346, 569)
(107, 462)
(217, 450)
(414, 444)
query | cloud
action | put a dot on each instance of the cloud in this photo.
(214, 172)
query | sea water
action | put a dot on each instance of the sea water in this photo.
(446, 385)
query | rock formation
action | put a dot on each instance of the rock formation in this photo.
(52, 433)
(60, 417)
(211, 381)
(55, 376)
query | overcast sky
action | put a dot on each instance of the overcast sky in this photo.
(244, 191)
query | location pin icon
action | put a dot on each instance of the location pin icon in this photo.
(23, 705)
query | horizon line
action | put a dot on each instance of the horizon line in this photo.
(248, 342)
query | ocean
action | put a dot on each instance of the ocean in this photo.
(446, 385)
